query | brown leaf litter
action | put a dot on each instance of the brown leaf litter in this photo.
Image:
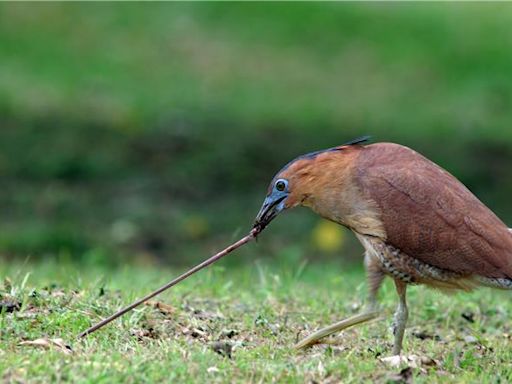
(46, 343)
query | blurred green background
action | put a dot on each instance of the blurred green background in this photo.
(149, 132)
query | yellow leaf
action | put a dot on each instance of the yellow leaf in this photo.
(196, 226)
(328, 236)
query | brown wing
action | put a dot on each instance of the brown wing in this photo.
(430, 215)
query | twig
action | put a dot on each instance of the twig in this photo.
(252, 235)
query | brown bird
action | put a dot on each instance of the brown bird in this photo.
(417, 223)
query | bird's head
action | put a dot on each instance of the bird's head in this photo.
(301, 181)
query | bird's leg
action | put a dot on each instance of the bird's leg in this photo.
(340, 325)
(400, 319)
(375, 278)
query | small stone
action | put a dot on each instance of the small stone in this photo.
(10, 306)
(196, 332)
(470, 339)
(229, 333)
(223, 348)
(413, 361)
(468, 316)
(274, 328)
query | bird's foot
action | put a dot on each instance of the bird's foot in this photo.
(413, 361)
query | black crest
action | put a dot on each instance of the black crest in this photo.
(312, 155)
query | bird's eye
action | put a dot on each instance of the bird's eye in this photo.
(281, 185)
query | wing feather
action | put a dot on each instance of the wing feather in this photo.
(430, 215)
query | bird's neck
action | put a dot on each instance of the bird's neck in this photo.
(335, 195)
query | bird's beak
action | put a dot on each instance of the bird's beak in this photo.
(272, 206)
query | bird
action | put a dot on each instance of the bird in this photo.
(418, 224)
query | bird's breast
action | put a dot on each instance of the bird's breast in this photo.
(348, 207)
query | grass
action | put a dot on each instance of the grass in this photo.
(143, 129)
(238, 324)
(371, 65)
(141, 116)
